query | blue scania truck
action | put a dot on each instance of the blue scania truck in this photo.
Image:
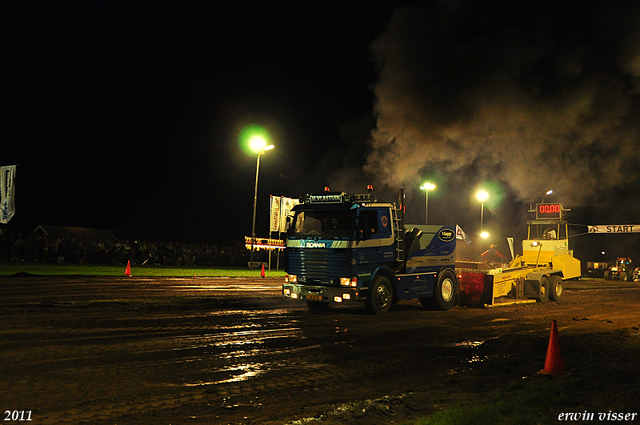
(343, 248)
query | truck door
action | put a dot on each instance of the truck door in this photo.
(376, 238)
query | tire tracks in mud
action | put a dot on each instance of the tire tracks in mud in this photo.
(72, 367)
(188, 355)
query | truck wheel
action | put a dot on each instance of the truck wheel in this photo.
(380, 296)
(623, 277)
(555, 288)
(444, 296)
(607, 276)
(543, 290)
(316, 306)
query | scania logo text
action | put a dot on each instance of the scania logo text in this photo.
(315, 245)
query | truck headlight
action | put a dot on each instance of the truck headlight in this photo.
(291, 278)
(349, 281)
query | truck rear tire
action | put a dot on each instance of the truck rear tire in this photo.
(380, 296)
(444, 294)
(555, 288)
(623, 277)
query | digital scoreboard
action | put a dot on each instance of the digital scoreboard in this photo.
(549, 211)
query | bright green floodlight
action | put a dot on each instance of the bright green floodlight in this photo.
(257, 144)
(428, 186)
(255, 139)
(482, 195)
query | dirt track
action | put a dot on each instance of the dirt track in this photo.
(217, 351)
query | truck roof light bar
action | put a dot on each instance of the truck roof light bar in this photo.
(338, 198)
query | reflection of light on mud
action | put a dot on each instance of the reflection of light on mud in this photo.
(475, 359)
(237, 338)
(257, 313)
(469, 344)
(238, 373)
(221, 288)
(472, 344)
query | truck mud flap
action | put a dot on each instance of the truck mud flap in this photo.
(475, 289)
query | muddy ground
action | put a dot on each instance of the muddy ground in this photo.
(232, 350)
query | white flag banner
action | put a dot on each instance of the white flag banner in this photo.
(274, 217)
(460, 234)
(7, 193)
(287, 205)
(615, 228)
(510, 242)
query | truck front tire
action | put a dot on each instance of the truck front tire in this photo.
(445, 292)
(380, 296)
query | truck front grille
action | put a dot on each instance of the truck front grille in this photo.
(318, 265)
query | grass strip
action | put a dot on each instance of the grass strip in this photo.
(537, 400)
(51, 269)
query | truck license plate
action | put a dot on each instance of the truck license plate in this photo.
(312, 297)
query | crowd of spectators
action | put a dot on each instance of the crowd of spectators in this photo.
(41, 248)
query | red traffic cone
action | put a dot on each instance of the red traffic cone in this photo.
(127, 271)
(262, 272)
(553, 364)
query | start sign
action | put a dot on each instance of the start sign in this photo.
(615, 228)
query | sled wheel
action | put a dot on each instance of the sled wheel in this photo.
(555, 288)
(543, 290)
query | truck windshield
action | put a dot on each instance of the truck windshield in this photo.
(324, 223)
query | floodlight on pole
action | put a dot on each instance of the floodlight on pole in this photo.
(482, 195)
(427, 187)
(259, 145)
(547, 193)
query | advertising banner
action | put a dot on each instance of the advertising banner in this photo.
(274, 217)
(280, 210)
(285, 211)
(7, 193)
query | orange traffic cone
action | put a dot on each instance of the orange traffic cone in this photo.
(127, 271)
(262, 272)
(553, 364)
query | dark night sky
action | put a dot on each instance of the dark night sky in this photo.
(127, 115)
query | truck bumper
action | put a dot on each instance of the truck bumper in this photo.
(324, 294)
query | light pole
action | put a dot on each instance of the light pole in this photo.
(258, 145)
(482, 196)
(427, 187)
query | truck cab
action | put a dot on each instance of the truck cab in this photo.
(343, 248)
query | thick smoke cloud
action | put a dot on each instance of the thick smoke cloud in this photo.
(535, 94)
